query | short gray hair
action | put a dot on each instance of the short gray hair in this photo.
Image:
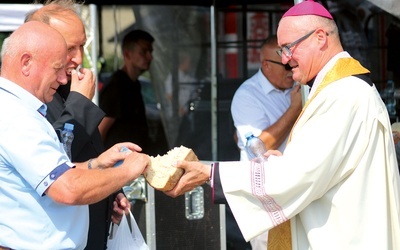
(52, 9)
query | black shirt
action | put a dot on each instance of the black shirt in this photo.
(122, 99)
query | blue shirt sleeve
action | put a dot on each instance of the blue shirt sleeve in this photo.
(33, 151)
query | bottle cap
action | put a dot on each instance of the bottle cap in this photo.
(69, 126)
(248, 135)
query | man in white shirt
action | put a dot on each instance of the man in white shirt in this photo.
(268, 103)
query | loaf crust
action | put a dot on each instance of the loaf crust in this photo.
(161, 175)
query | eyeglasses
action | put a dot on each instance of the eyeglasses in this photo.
(286, 49)
(287, 66)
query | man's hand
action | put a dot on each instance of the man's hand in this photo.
(195, 175)
(114, 154)
(121, 206)
(273, 152)
(396, 137)
(296, 98)
(83, 82)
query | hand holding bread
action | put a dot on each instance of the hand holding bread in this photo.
(195, 174)
(161, 174)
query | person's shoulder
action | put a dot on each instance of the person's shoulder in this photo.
(116, 75)
(351, 91)
(354, 84)
(247, 91)
(248, 86)
(116, 78)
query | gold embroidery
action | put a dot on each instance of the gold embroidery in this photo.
(344, 67)
(280, 237)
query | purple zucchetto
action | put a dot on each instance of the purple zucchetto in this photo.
(308, 8)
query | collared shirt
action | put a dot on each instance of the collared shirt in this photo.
(257, 105)
(31, 159)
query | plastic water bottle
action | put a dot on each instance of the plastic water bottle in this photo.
(390, 100)
(255, 147)
(67, 136)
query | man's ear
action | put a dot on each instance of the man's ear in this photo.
(126, 54)
(322, 37)
(265, 66)
(26, 62)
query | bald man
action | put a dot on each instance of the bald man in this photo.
(268, 103)
(39, 53)
(44, 196)
(73, 104)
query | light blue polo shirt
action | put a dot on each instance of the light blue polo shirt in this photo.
(256, 105)
(31, 159)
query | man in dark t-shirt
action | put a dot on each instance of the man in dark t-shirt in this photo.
(122, 101)
(121, 98)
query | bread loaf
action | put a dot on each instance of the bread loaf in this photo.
(161, 175)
